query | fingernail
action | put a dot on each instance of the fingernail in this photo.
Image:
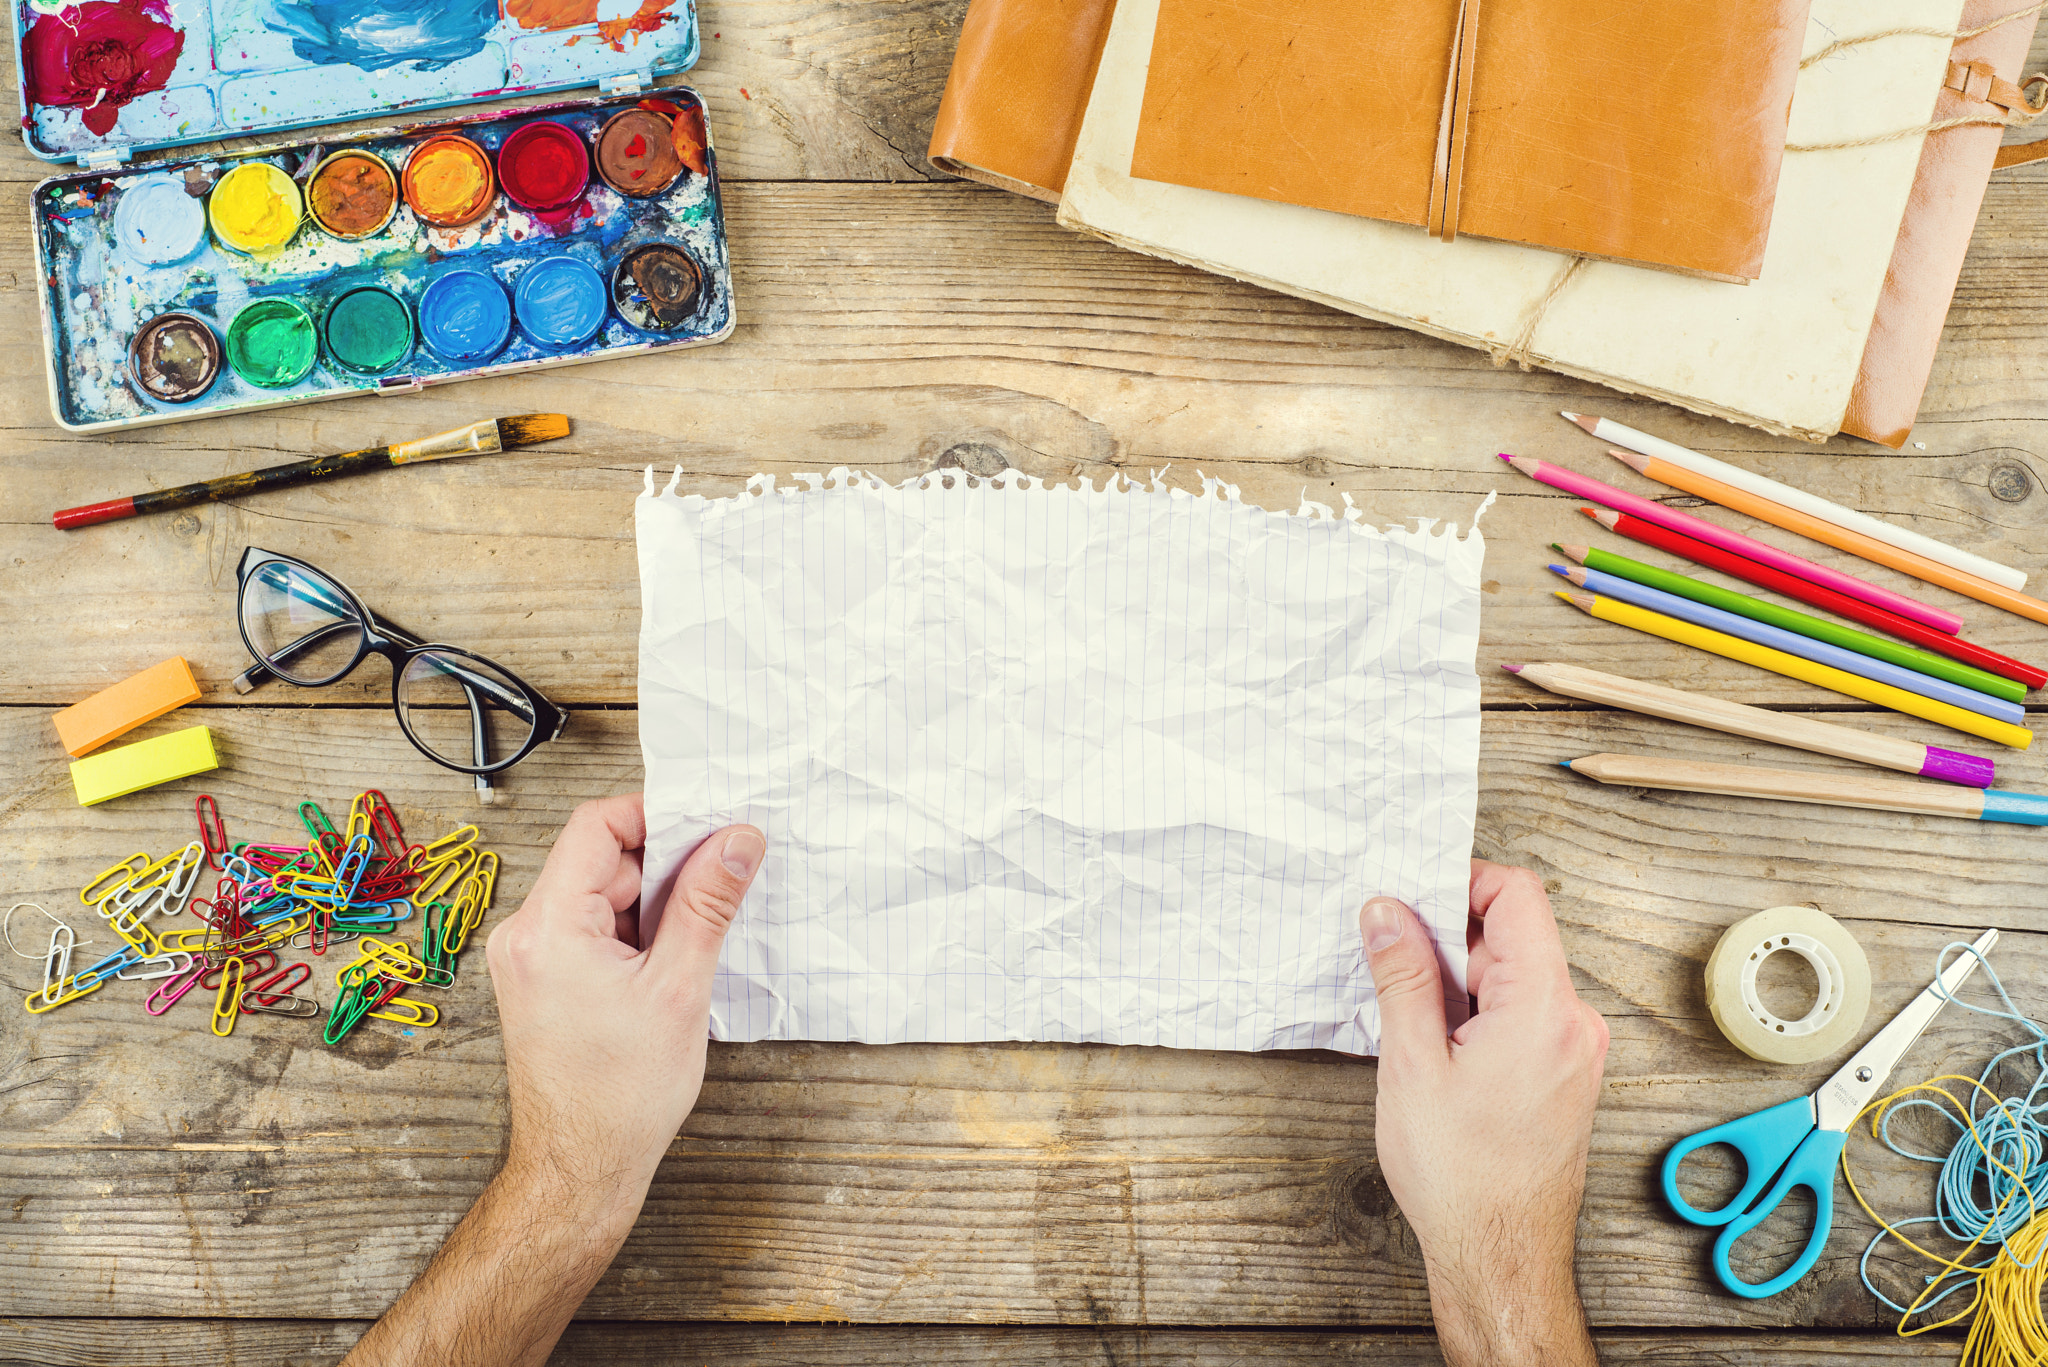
(742, 852)
(1383, 923)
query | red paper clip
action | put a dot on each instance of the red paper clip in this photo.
(213, 837)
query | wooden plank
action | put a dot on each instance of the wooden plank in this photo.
(305, 1343)
(145, 1162)
(896, 328)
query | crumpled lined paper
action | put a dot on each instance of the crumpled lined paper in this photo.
(1052, 763)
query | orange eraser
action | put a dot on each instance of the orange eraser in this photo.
(115, 711)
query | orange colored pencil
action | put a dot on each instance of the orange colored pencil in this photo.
(1841, 538)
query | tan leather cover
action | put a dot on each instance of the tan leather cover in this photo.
(1934, 236)
(1017, 91)
(1648, 133)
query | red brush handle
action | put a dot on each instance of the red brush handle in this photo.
(113, 510)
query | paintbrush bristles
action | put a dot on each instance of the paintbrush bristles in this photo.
(530, 429)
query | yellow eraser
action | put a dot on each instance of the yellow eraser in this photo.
(84, 727)
(143, 765)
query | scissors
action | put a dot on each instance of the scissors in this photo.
(1801, 1140)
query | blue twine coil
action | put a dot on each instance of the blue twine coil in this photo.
(2013, 1130)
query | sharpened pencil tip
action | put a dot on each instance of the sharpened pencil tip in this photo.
(1512, 669)
(1564, 764)
(1555, 569)
(1502, 455)
(1568, 417)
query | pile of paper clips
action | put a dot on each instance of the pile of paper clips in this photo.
(350, 886)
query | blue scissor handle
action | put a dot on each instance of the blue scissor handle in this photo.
(1813, 1167)
(1765, 1140)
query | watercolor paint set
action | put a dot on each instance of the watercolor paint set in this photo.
(381, 262)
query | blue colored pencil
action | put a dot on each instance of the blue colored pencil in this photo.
(1792, 643)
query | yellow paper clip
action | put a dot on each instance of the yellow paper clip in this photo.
(128, 868)
(358, 819)
(188, 939)
(39, 1003)
(227, 1003)
(487, 868)
(411, 1012)
(393, 959)
(452, 869)
(157, 872)
(127, 924)
(448, 846)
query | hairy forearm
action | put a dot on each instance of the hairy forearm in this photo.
(504, 1285)
(1525, 1315)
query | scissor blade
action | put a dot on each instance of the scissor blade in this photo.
(1835, 1105)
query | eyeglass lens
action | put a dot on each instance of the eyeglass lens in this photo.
(300, 622)
(463, 710)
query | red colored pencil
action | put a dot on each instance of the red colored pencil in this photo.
(1713, 557)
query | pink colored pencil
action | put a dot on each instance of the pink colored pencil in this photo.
(1572, 482)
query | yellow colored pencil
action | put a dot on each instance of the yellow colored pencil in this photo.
(1792, 667)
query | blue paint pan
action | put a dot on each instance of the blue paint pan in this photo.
(465, 316)
(561, 301)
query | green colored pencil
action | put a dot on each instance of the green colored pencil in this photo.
(1848, 638)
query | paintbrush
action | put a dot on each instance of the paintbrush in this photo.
(483, 438)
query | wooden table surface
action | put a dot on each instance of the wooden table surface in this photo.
(169, 1197)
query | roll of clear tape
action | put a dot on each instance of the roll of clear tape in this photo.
(1837, 962)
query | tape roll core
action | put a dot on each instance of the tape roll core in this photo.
(1838, 965)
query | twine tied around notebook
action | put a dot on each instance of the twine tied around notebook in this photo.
(2021, 109)
(1518, 350)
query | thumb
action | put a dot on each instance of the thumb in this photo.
(1406, 980)
(707, 897)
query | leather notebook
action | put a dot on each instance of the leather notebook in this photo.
(1615, 129)
(1017, 90)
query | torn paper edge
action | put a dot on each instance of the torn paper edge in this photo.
(1116, 484)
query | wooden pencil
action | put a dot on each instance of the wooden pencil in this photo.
(1827, 790)
(1834, 633)
(1572, 482)
(1756, 723)
(1606, 429)
(1792, 667)
(482, 438)
(1792, 586)
(1841, 538)
(1792, 643)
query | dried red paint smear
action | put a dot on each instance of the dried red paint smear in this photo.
(96, 58)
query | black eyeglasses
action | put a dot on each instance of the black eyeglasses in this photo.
(459, 710)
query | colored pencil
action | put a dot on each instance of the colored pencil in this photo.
(1792, 667)
(1848, 638)
(1828, 790)
(1792, 643)
(483, 438)
(1779, 728)
(1792, 586)
(1841, 538)
(1572, 482)
(1606, 429)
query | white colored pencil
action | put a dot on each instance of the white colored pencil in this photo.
(1606, 429)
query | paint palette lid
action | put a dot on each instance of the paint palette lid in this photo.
(104, 79)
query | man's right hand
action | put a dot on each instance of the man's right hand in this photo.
(1483, 1135)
